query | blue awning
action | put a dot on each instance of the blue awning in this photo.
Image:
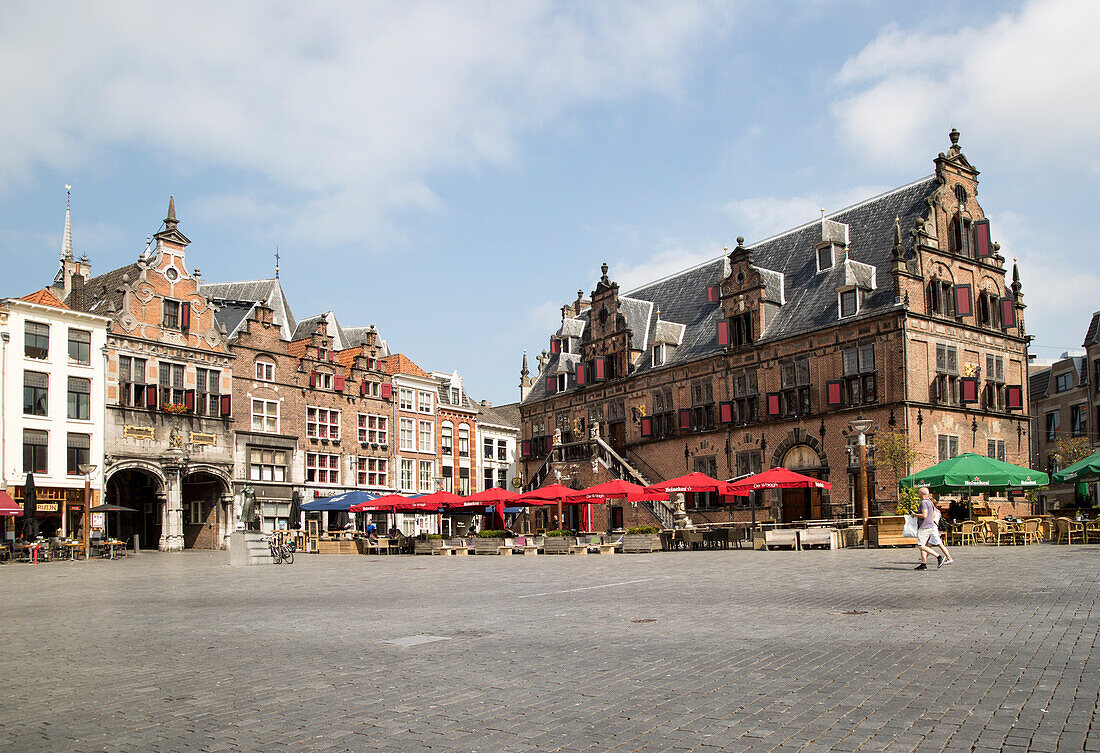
(338, 502)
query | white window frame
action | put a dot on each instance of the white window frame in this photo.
(407, 436)
(424, 402)
(264, 416)
(406, 398)
(425, 476)
(426, 430)
(264, 370)
(377, 434)
(329, 469)
(408, 475)
(320, 426)
(840, 301)
(463, 436)
(260, 466)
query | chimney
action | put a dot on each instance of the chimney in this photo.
(486, 404)
(76, 292)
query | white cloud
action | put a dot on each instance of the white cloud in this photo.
(761, 217)
(1022, 85)
(351, 108)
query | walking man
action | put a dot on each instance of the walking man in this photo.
(928, 532)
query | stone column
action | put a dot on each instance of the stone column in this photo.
(171, 532)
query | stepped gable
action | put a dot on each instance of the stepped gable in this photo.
(788, 267)
(308, 326)
(356, 336)
(44, 297)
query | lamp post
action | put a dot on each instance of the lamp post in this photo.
(860, 426)
(87, 469)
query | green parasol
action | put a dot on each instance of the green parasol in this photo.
(975, 473)
(1083, 470)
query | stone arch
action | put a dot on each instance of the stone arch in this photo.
(797, 437)
(137, 465)
(212, 470)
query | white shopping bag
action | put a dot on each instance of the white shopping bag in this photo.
(910, 530)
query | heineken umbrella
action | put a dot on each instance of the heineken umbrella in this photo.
(295, 515)
(972, 472)
(105, 508)
(30, 508)
(1083, 470)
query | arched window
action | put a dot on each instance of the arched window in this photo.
(463, 441)
(265, 370)
(940, 298)
(447, 438)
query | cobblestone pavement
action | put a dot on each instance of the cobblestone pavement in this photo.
(702, 651)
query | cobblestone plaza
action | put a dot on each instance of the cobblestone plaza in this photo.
(705, 651)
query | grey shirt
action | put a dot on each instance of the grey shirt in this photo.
(929, 509)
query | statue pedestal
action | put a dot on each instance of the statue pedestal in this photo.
(248, 548)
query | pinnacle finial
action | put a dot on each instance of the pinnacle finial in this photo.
(524, 371)
(67, 236)
(954, 136)
(740, 240)
(171, 220)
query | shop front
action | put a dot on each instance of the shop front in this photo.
(59, 510)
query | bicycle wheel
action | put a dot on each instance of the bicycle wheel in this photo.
(276, 556)
(288, 555)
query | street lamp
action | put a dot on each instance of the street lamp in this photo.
(87, 469)
(860, 426)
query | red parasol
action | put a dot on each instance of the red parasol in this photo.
(9, 506)
(619, 489)
(777, 478)
(550, 494)
(694, 482)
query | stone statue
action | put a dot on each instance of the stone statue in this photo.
(248, 508)
(594, 430)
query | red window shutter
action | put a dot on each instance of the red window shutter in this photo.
(600, 367)
(724, 332)
(712, 293)
(339, 382)
(185, 315)
(581, 375)
(970, 389)
(1008, 313)
(685, 418)
(551, 384)
(151, 396)
(362, 388)
(834, 393)
(225, 406)
(387, 391)
(1015, 397)
(332, 356)
(647, 427)
(964, 305)
(189, 399)
(525, 448)
(313, 379)
(981, 239)
(725, 413)
(555, 345)
(773, 404)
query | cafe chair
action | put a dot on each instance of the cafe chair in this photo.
(1067, 529)
(1092, 531)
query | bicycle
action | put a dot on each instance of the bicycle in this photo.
(280, 551)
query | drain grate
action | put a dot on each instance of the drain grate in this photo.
(416, 640)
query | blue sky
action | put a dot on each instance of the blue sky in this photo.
(455, 172)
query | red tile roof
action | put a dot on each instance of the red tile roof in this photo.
(44, 297)
(297, 348)
(399, 363)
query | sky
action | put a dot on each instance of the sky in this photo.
(455, 172)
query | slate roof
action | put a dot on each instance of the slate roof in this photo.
(101, 294)
(232, 314)
(269, 291)
(1038, 384)
(1092, 336)
(44, 297)
(356, 336)
(809, 297)
(499, 417)
(509, 412)
(308, 326)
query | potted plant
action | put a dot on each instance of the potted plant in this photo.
(427, 543)
(557, 541)
(488, 541)
(641, 539)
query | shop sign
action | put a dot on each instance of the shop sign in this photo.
(46, 506)
(198, 437)
(138, 432)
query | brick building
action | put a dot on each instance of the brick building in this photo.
(896, 309)
(1065, 404)
(458, 456)
(168, 442)
(416, 426)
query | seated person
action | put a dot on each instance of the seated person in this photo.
(371, 532)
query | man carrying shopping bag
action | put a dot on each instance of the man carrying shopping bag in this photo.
(928, 532)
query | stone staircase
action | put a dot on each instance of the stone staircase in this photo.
(248, 548)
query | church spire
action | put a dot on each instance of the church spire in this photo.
(525, 381)
(67, 236)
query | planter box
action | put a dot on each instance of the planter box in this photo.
(487, 546)
(641, 543)
(886, 530)
(557, 544)
(428, 546)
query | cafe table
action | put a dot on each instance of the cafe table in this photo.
(111, 545)
(73, 547)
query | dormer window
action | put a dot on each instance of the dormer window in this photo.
(961, 236)
(825, 257)
(658, 354)
(849, 302)
(456, 396)
(941, 299)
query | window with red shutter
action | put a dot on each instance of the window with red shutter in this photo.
(1015, 397)
(551, 384)
(981, 239)
(969, 389)
(339, 382)
(834, 393)
(580, 373)
(185, 315)
(600, 367)
(555, 345)
(189, 399)
(525, 448)
(313, 379)
(712, 293)
(773, 403)
(322, 354)
(724, 332)
(362, 388)
(1008, 313)
(332, 356)
(964, 305)
(647, 427)
(725, 413)
(387, 391)
(151, 396)
(685, 418)
(225, 406)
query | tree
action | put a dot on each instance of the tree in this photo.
(1069, 450)
(895, 450)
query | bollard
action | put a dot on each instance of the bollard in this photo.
(137, 543)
